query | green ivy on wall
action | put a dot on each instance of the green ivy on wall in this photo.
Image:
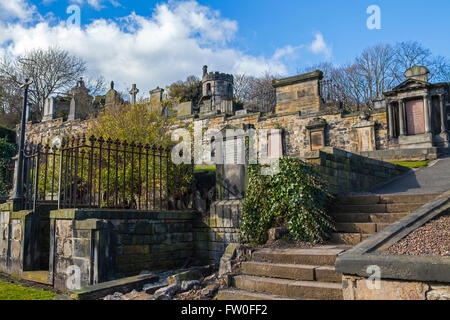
(295, 198)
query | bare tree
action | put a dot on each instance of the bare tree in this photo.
(256, 94)
(53, 71)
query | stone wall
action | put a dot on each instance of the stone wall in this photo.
(358, 288)
(44, 131)
(24, 238)
(218, 229)
(347, 172)
(111, 244)
(339, 132)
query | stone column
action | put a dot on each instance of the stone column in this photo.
(391, 120)
(426, 111)
(443, 114)
(401, 113)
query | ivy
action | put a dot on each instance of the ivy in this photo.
(295, 198)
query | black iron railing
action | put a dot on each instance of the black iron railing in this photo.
(328, 91)
(6, 176)
(99, 173)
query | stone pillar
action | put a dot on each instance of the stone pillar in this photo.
(426, 112)
(401, 113)
(391, 120)
(443, 114)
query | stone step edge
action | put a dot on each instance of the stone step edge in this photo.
(230, 293)
(315, 269)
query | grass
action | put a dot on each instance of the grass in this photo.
(10, 291)
(210, 169)
(412, 164)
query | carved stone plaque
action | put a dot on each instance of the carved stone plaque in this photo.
(317, 140)
(365, 139)
(415, 117)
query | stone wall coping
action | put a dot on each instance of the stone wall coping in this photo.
(315, 75)
(19, 215)
(112, 214)
(417, 268)
(342, 153)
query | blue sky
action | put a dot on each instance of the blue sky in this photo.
(162, 41)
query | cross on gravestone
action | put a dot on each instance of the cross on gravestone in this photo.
(133, 92)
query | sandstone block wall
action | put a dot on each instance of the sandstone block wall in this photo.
(358, 288)
(218, 229)
(111, 244)
(347, 172)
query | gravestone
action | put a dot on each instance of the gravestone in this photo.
(185, 109)
(231, 174)
(365, 135)
(81, 103)
(49, 109)
(112, 98)
(133, 93)
(415, 119)
(316, 129)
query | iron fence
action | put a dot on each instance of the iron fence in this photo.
(99, 173)
(6, 176)
(328, 91)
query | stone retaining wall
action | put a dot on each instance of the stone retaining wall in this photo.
(218, 229)
(110, 244)
(348, 172)
(358, 288)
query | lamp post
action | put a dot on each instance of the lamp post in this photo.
(17, 198)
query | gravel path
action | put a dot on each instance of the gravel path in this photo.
(432, 239)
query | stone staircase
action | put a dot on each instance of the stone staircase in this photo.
(359, 217)
(282, 274)
(309, 274)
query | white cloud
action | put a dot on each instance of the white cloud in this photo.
(176, 41)
(96, 4)
(16, 9)
(319, 46)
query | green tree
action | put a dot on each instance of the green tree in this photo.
(188, 90)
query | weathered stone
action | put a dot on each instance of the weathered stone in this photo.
(277, 233)
(188, 285)
(166, 293)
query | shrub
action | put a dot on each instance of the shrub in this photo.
(7, 151)
(295, 198)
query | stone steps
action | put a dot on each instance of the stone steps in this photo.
(312, 257)
(359, 217)
(306, 274)
(357, 227)
(385, 199)
(376, 208)
(348, 238)
(369, 217)
(289, 288)
(238, 294)
(291, 271)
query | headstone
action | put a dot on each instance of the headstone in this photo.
(81, 103)
(185, 109)
(241, 112)
(112, 97)
(49, 109)
(275, 144)
(415, 119)
(365, 135)
(316, 129)
(231, 176)
(133, 92)
(417, 73)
